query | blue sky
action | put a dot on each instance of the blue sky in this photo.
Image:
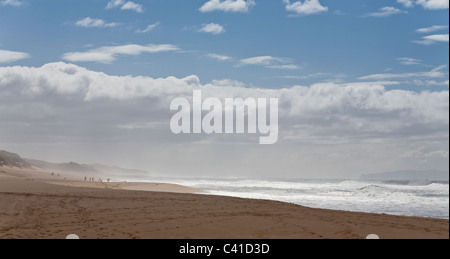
(363, 85)
(343, 43)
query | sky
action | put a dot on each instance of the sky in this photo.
(362, 84)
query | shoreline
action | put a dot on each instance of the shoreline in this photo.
(33, 208)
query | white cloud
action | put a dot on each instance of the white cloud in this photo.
(269, 62)
(435, 73)
(429, 83)
(213, 28)
(426, 4)
(310, 76)
(234, 6)
(433, 4)
(112, 115)
(385, 12)
(409, 61)
(347, 103)
(109, 54)
(11, 2)
(433, 28)
(89, 22)
(226, 83)
(306, 7)
(219, 57)
(266, 61)
(406, 3)
(7, 56)
(437, 37)
(261, 60)
(69, 79)
(433, 39)
(139, 8)
(149, 28)
(133, 7)
(114, 3)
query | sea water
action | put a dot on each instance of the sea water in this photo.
(422, 199)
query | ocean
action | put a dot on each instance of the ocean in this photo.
(422, 199)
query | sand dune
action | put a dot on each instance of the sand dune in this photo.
(33, 207)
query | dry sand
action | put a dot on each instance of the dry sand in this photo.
(36, 205)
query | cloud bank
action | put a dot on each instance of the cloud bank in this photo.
(362, 101)
(325, 128)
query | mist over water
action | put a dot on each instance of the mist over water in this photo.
(421, 199)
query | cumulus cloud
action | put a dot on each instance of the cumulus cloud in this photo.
(406, 3)
(69, 79)
(426, 4)
(11, 2)
(385, 12)
(234, 6)
(115, 3)
(149, 28)
(62, 107)
(133, 7)
(110, 53)
(89, 22)
(306, 7)
(349, 99)
(433, 4)
(139, 8)
(7, 56)
(212, 28)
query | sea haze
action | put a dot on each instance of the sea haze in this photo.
(425, 199)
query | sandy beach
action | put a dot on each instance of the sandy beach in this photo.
(34, 204)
